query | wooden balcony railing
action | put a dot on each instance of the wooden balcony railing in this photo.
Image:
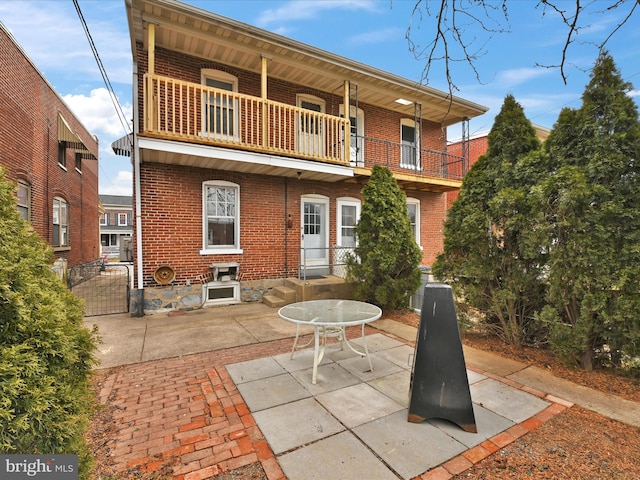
(193, 112)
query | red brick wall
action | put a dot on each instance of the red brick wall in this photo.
(29, 151)
(172, 195)
(477, 147)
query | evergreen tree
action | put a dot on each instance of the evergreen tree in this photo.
(491, 253)
(46, 352)
(592, 212)
(384, 267)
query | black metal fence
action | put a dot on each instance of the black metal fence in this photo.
(104, 287)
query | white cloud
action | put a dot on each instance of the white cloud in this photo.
(377, 36)
(516, 76)
(98, 113)
(310, 9)
(121, 185)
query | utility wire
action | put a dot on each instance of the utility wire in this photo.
(121, 116)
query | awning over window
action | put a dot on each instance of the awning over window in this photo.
(122, 146)
(71, 140)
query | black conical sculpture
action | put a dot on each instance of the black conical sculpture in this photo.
(439, 383)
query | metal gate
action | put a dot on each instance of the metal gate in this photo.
(105, 288)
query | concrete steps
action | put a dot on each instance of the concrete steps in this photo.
(296, 290)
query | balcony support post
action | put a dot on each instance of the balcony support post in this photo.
(263, 93)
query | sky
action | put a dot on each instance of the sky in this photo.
(513, 58)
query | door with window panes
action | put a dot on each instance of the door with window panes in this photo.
(315, 236)
(220, 110)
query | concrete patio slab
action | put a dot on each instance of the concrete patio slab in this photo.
(269, 392)
(296, 424)
(408, 448)
(507, 401)
(358, 404)
(251, 370)
(319, 461)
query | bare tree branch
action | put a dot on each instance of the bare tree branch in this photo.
(454, 19)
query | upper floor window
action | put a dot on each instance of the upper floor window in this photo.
(60, 222)
(410, 148)
(104, 219)
(221, 208)
(123, 219)
(79, 161)
(413, 209)
(62, 154)
(24, 199)
(220, 110)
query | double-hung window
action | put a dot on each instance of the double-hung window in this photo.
(220, 109)
(413, 209)
(123, 219)
(60, 222)
(221, 207)
(24, 200)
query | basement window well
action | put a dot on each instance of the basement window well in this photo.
(221, 292)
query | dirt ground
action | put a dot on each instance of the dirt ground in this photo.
(576, 444)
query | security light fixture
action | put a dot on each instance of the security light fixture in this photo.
(402, 101)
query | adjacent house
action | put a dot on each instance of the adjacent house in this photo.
(250, 151)
(50, 156)
(116, 228)
(475, 146)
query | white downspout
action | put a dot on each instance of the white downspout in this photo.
(136, 179)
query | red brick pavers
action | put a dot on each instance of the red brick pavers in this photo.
(185, 416)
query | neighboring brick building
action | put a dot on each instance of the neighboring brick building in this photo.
(50, 156)
(475, 147)
(116, 228)
(246, 176)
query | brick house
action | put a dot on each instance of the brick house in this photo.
(50, 156)
(116, 228)
(244, 177)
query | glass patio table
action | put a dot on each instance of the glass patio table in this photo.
(329, 318)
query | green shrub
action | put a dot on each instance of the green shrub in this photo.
(46, 352)
(385, 265)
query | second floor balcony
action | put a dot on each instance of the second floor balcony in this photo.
(195, 113)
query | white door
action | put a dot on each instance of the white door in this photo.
(310, 138)
(315, 236)
(356, 117)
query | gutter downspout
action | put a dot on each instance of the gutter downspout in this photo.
(139, 310)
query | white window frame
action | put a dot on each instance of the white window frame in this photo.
(409, 163)
(234, 286)
(416, 202)
(60, 223)
(223, 249)
(126, 219)
(345, 202)
(23, 194)
(104, 219)
(217, 75)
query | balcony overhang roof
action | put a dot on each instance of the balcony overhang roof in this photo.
(193, 31)
(158, 150)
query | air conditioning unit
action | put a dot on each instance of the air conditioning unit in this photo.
(225, 272)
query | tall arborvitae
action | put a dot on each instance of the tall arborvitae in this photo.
(592, 211)
(489, 255)
(385, 265)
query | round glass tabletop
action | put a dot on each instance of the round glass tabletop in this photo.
(330, 312)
